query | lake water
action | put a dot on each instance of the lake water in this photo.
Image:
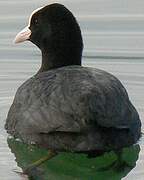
(114, 41)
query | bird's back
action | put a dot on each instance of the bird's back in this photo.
(72, 100)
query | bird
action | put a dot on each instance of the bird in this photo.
(66, 107)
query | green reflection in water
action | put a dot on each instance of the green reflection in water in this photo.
(72, 166)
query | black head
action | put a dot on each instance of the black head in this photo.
(56, 32)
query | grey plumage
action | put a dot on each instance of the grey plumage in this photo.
(74, 108)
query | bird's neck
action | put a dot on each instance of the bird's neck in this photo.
(56, 60)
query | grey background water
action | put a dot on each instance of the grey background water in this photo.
(113, 33)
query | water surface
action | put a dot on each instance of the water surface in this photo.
(114, 41)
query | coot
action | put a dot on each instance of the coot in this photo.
(65, 106)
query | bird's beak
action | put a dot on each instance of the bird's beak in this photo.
(23, 35)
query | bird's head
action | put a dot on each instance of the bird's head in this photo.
(54, 30)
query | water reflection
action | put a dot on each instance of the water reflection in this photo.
(72, 166)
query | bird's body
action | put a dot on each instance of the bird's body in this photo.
(67, 107)
(74, 108)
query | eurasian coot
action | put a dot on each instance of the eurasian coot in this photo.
(65, 106)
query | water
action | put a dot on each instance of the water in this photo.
(114, 41)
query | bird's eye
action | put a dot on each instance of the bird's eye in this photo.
(35, 21)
